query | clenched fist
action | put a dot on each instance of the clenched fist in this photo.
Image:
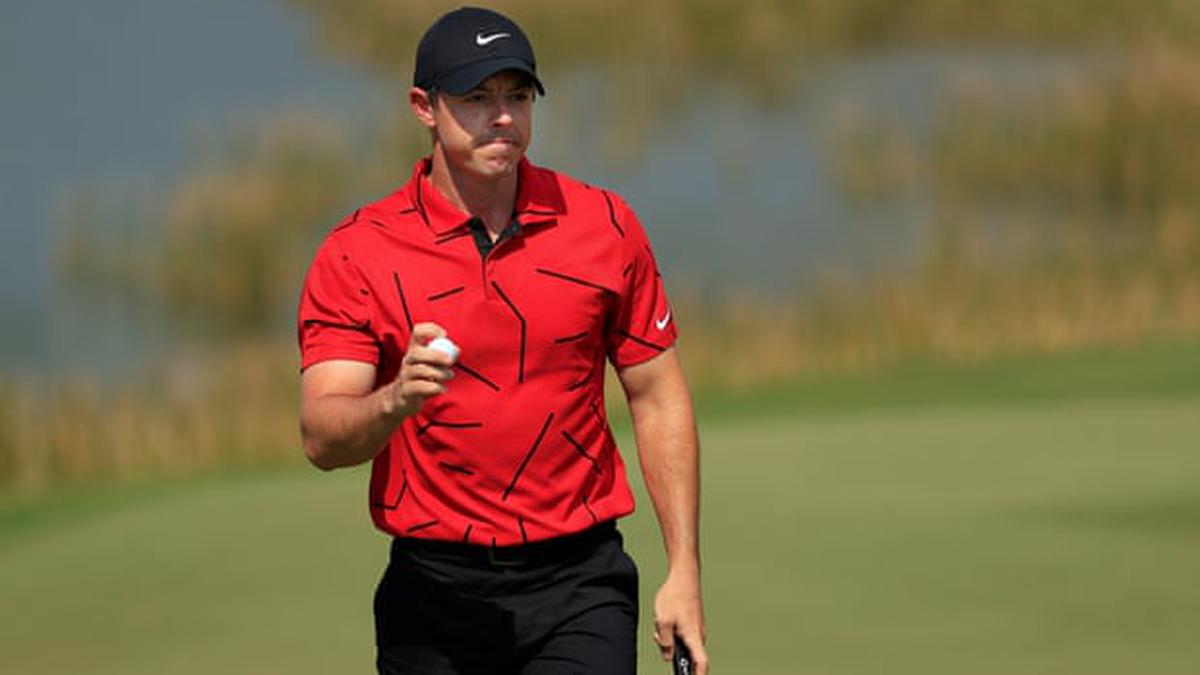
(424, 372)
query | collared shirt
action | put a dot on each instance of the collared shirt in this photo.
(519, 448)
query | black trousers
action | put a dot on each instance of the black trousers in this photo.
(565, 607)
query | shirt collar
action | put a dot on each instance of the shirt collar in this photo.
(538, 198)
(538, 193)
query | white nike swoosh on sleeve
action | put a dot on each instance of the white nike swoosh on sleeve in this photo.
(662, 323)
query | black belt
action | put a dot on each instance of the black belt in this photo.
(558, 549)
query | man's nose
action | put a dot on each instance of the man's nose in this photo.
(503, 114)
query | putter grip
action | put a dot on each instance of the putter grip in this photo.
(682, 661)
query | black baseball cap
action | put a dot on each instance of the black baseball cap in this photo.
(469, 45)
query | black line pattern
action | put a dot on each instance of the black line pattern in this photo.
(467, 534)
(456, 468)
(405, 212)
(650, 256)
(521, 318)
(571, 338)
(380, 223)
(399, 498)
(403, 301)
(453, 234)
(582, 381)
(421, 204)
(477, 375)
(581, 450)
(421, 526)
(575, 280)
(612, 214)
(640, 341)
(536, 212)
(362, 328)
(627, 269)
(449, 425)
(521, 526)
(445, 294)
(597, 412)
(528, 456)
(583, 500)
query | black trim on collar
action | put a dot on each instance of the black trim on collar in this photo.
(483, 241)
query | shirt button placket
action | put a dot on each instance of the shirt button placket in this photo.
(487, 274)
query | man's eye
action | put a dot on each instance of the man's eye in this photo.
(520, 96)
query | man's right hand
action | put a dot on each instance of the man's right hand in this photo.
(424, 372)
(345, 420)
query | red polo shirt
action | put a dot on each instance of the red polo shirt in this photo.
(519, 448)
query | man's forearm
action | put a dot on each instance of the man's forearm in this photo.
(665, 428)
(345, 429)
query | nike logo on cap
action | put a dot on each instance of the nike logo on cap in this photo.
(483, 41)
(662, 323)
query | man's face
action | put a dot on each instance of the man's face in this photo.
(485, 131)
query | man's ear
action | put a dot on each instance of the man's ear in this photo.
(422, 104)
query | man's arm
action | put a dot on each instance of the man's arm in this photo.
(669, 450)
(344, 422)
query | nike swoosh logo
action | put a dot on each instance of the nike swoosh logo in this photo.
(662, 323)
(483, 41)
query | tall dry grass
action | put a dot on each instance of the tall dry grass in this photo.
(969, 316)
(636, 50)
(236, 407)
(223, 248)
(1066, 220)
(1063, 217)
(748, 42)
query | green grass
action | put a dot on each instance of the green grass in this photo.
(1157, 370)
(990, 533)
(991, 541)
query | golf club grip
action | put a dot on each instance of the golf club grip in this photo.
(682, 661)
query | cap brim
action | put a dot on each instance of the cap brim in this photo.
(468, 77)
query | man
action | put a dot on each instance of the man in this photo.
(495, 471)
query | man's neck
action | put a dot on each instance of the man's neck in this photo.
(492, 201)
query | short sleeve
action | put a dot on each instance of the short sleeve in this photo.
(641, 325)
(334, 320)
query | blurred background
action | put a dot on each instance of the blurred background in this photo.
(936, 266)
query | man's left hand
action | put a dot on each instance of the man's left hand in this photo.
(679, 610)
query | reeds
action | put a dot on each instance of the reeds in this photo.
(224, 248)
(238, 406)
(235, 407)
(1066, 220)
(746, 41)
(1064, 216)
(969, 318)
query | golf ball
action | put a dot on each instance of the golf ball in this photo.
(445, 346)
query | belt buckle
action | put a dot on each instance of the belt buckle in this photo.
(514, 557)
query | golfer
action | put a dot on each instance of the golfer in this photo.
(494, 468)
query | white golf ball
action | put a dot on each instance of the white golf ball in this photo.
(445, 346)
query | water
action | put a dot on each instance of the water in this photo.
(735, 195)
(741, 197)
(112, 93)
